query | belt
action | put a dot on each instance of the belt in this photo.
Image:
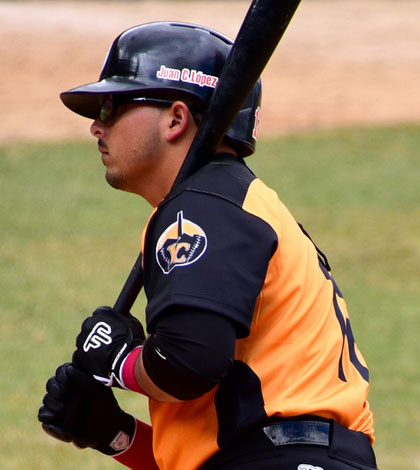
(340, 443)
(299, 432)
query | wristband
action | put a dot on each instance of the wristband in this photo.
(139, 455)
(128, 371)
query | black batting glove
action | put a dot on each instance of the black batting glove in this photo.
(79, 409)
(104, 342)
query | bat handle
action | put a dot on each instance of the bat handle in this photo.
(131, 288)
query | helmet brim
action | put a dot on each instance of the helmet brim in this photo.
(87, 100)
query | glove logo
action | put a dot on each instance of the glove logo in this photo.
(99, 335)
(120, 442)
(181, 244)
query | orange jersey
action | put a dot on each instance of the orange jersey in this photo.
(295, 352)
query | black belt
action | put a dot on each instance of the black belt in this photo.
(298, 432)
(342, 444)
(348, 446)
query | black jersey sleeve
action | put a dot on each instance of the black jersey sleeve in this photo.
(203, 251)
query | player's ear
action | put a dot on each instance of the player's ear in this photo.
(179, 121)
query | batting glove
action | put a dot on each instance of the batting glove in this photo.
(104, 342)
(78, 409)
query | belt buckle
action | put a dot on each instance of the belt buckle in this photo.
(298, 432)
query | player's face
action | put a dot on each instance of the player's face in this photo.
(130, 144)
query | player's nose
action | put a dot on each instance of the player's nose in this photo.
(97, 129)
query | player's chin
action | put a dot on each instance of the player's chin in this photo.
(114, 179)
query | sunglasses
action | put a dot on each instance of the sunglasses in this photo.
(110, 106)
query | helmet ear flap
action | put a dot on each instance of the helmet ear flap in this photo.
(162, 58)
(243, 132)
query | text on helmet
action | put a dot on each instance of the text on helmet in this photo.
(196, 77)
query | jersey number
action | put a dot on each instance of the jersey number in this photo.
(347, 333)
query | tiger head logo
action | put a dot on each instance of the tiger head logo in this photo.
(181, 244)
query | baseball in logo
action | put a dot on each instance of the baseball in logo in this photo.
(181, 244)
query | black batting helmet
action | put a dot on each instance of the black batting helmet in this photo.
(177, 59)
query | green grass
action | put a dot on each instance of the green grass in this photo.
(68, 242)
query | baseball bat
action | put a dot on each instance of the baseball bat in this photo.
(263, 27)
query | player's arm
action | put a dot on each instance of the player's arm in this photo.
(189, 353)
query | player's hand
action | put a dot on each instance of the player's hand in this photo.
(79, 409)
(105, 340)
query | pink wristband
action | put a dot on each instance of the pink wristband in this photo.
(128, 371)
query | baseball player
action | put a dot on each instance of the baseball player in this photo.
(250, 361)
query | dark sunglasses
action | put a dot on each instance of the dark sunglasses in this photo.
(110, 106)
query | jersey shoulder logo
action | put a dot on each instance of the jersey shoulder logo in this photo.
(181, 244)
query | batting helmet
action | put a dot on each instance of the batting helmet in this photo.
(168, 58)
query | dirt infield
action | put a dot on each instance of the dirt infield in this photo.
(340, 63)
